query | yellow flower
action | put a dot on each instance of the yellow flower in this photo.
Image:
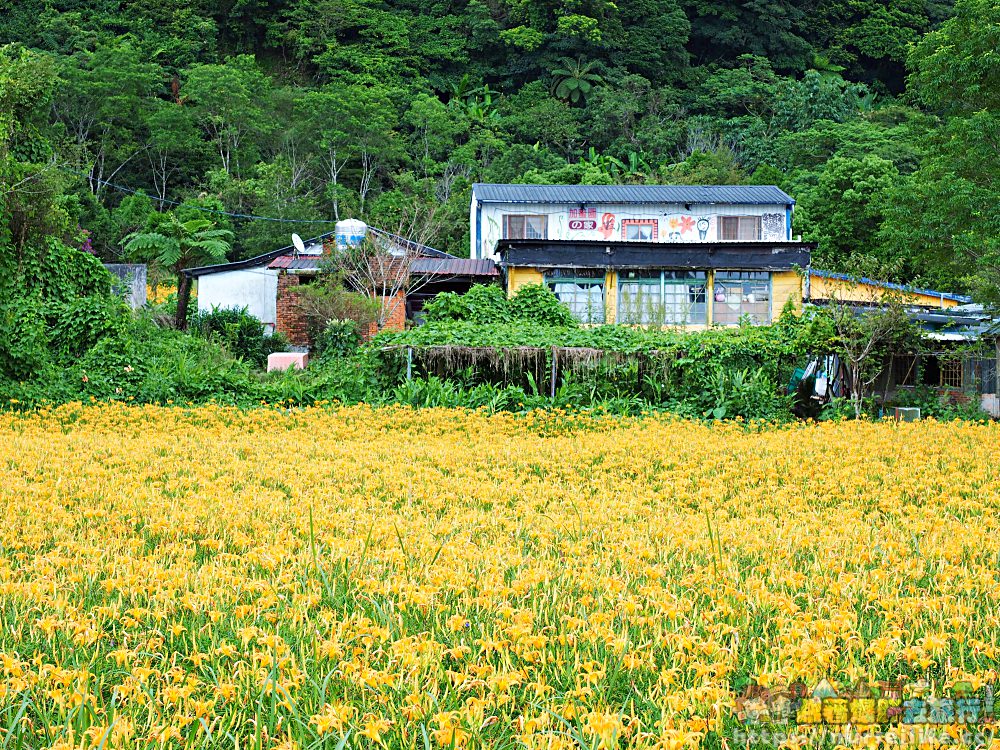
(333, 718)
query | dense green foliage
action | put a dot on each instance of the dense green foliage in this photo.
(136, 131)
(879, 117)
(487, 304)
(239, 333)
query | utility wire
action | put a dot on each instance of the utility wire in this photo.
(253, 217)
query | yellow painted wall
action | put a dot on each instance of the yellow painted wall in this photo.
(785, 286)
(610, 296)
(823, 288)
(518, 277)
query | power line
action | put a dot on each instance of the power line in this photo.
(252, 217)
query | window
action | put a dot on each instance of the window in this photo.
(524, 227)
(951, 372)
(640, 229)
(662, 298)
(581, 290)
(739, 227)
(904, 370)
(986, 375)
(739, 293)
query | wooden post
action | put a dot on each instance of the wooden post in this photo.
(555, 372)
(409, 364)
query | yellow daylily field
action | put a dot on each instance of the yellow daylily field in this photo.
(360, 577)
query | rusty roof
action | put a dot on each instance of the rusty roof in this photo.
(454, 267)
(293, 262)
(422, 266)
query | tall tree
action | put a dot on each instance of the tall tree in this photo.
(230, 101)
(355, 127)
(102, 100)
(948, 209)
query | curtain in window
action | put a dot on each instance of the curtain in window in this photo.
(662, 298)
(745, 228)
(739, 293)
(524, 227)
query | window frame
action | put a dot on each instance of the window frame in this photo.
(720, 276)
(986, 375)
(724, 221)
(907, 364)
(583, 278)
(663, 280)
(951, 373)
(654, 224)
(524, 235)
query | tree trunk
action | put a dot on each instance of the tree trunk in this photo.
(857, 395)
(183, 298)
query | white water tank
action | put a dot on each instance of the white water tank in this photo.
(350, 232)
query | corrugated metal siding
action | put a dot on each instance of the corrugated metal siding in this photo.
(747, 194)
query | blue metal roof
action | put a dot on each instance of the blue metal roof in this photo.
(696, 194)
(889, 285)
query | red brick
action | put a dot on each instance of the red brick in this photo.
(290, 320)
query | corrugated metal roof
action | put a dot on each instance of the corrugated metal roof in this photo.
(698, 194)
(428, 266)
(890, 285)
(297, 263)
(454, 267)
(274, 257)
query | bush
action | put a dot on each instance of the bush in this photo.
(78, 324)
(242, 335)
(24, 338)
(483, 304)
(339, 338)
(487, 304)
(327, 300)
(941, 405)
(536, 303)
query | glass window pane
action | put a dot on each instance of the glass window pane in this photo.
(728, 227)
(741, 293)
(739, 228)
(581, 290)
(662, 299)
(525, 227)
(639, 232)
(749, 228)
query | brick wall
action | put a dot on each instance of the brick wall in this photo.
(396, 320)
(292, 324)
(290, 321)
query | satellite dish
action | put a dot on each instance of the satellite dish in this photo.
(300, 246)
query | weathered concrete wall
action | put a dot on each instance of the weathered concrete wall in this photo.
(130, 282)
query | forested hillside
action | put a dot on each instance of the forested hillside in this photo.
(879, 117)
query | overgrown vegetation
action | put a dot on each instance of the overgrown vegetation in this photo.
(878, 117)
(479, 350)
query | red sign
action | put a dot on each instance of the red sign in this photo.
(582, 219)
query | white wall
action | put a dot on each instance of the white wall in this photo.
(674, 221)
(253, 288)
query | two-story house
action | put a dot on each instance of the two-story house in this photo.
(648, 255)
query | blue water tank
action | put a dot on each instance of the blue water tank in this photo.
(350, 232)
